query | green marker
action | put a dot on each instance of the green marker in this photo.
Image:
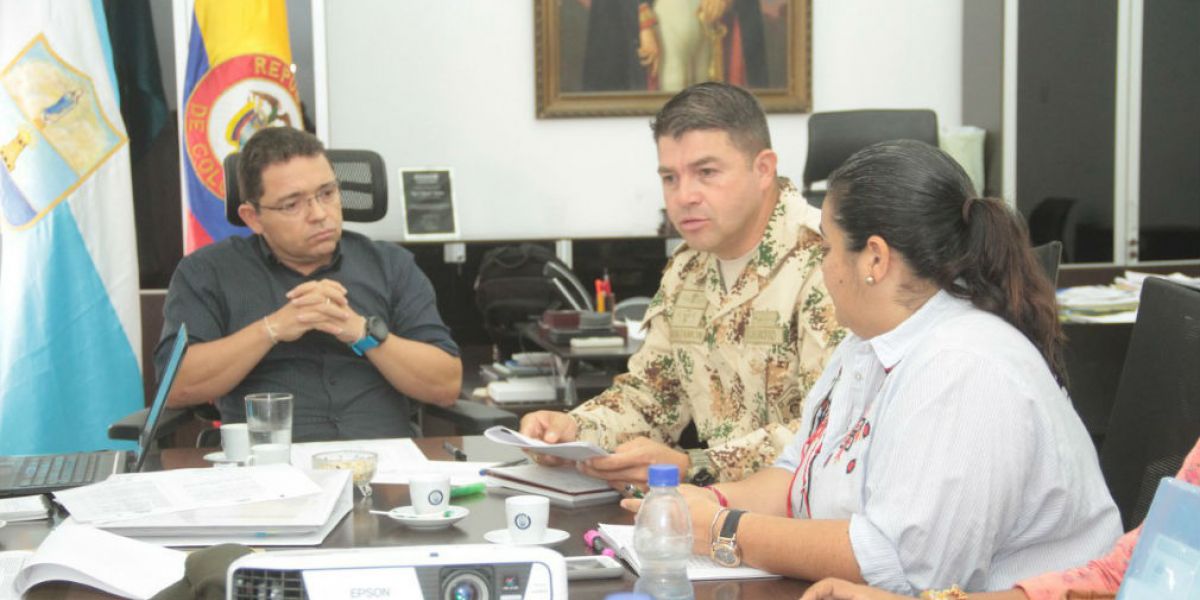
(468, 490)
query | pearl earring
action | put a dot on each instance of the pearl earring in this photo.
(870, 280)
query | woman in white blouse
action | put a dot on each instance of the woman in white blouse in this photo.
(938, 447)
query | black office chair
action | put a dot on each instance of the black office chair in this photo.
(1156, 414)
(834, 136)
(362, 179)
(1049, 255)
(1053, 219)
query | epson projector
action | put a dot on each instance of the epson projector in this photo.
(451, 572)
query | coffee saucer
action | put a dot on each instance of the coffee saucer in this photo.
(220, 458)
(439, 520)
(552, 537)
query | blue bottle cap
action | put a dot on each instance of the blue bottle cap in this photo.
(628, 596)
(664, 475)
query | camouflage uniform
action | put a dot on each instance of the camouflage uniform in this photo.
(740, 362)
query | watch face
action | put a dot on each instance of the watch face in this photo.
(703, 477)
(724, 553)
(377, 328)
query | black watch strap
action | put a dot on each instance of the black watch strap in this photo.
(729, 528)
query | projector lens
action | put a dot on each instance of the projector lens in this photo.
(465, 585)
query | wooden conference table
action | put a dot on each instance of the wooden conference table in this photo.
(360, 528)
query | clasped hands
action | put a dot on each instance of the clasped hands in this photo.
(317, 305)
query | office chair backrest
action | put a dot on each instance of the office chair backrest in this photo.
(1156, 414)
(1049, 255)
(834, 136)
(361, 176)
(513, 287)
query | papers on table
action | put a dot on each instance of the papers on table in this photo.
(24, 508)
(1115, 303)
(567, 450)
(291, 521)
(399, 459)
(82, 554)
(130, 495)
(699, 567)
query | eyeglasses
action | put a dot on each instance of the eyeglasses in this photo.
(327, 196)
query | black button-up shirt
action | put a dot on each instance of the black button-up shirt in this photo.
(222, 288)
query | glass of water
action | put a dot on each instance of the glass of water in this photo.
(269, 419)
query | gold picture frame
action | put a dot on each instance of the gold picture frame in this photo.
(586, 54)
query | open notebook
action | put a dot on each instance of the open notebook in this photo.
(43, 473)
(699, 568)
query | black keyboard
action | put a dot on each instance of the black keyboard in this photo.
(62, 469)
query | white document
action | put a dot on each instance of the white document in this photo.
(263, 536)
(699, 568)
(568, 450)
(24, 508)
(299, 515)
(397, 457)
(10, 566)
(108, 562)
(461, 473)
(129, 495)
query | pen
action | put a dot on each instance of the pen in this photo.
(596, 543)
(467, 490)
(454, 451)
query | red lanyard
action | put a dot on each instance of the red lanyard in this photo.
(815, 442)
(808, 453)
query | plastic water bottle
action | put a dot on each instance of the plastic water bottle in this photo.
(662, 537)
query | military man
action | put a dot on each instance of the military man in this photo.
(741, 325)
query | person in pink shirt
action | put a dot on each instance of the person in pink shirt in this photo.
(1100, 578)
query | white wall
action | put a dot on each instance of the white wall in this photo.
(451, 83)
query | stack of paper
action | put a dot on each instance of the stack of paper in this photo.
(699, 568)
(24, 508)
(262, 506)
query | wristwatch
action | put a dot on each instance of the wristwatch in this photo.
(376, 331)
(700, 468)
(725, 551)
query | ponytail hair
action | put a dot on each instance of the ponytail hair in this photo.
(921, 202)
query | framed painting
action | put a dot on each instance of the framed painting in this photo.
(628, 57)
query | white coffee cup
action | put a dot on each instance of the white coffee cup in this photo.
(235, 441)
(527, 517)
(430, 492)
(270, 454)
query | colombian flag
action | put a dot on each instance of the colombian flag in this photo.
(70, 322)
(239, 80)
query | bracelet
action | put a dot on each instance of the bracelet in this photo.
(270, 331)
(712, 527)
(646, 18)
(951, 593)
(721, 499)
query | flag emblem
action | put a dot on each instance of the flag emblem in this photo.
(231, 102)
(53, 133)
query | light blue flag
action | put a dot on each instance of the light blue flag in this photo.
(70, 328)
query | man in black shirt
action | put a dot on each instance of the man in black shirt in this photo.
(348, 326)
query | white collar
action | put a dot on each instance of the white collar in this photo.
(894, 345)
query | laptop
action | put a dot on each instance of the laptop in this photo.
(43, 473)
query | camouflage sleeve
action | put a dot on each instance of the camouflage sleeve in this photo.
(817, 338)
(646, 401)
